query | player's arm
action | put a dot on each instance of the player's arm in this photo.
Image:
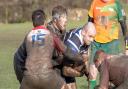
(90, 12)
(21, 53)
(59, 45)
(90, 19)
(71, 72)
(104, 75)
(121, 18)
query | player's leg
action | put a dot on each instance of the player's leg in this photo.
(114, 47)
(53, 81)
(70, 82)
(18, 70)
(26, 83)
(72, 85)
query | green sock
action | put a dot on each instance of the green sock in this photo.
(92, 84)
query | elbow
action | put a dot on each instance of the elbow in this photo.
(90, 19)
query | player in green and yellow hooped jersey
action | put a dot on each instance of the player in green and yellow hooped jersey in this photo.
(108, 20)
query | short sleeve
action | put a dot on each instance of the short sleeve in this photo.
(119, 10)
(90, 12)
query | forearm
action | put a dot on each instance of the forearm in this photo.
(123, 27)
(70, 72)
(61, 47)
(74, 57)
(21, 53)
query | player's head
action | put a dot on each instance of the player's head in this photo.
(38, 17)
(59, 16)
(88, 33)
(99, 57)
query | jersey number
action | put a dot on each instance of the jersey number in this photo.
(38, 38)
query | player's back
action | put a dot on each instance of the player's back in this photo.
(39, 44)
(118, 69)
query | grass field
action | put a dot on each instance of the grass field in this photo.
(11, 35)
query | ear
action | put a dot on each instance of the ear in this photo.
(45, 24)
(54, 20)
(97, 62)
(102, 56)
(83, 32)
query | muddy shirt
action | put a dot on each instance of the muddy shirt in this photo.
(21, 54)
(114, 70)
(40, 44)
(39, 47)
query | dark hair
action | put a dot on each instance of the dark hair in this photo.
(38, 17)
(58, 10)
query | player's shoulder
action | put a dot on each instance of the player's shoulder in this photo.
(38, 33)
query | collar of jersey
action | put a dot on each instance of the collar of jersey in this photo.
(39, 27)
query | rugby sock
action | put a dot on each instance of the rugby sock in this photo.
(92, 84)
